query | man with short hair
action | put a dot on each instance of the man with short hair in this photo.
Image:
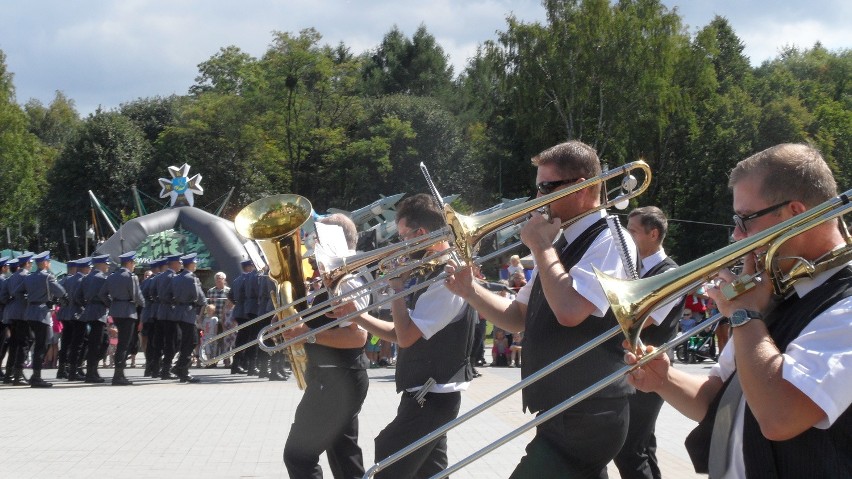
(13, 316)
(64, 317)
(95, 315)
(121, 293)
(562, 308)
(42, 292)
(434, 330)
(167, 327)
(185, 294)
(777, 402)
(76, 325)
(238, 297)
(149, 313)
(638, 458)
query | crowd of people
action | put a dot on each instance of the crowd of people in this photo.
(775, 405)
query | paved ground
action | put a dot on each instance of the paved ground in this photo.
(234, 426)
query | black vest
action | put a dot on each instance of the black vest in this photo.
(319, 355)
(444, 357)
(545, 341)
(657, 335)
(815, 452)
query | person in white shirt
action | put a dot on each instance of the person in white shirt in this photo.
(777, 403)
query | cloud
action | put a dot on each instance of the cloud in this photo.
(107, 53)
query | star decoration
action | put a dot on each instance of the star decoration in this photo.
(180, 188)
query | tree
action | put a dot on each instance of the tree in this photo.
(106, 156)
(55, 124)
(412, 67)
(225, 72)
(23, 161)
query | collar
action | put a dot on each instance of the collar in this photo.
(653, 260)
(574, 230)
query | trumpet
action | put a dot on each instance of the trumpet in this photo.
(466, 232)
(633, 301)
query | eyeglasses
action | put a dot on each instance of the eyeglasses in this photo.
(547, 187)
(409, 234)
(740, 221)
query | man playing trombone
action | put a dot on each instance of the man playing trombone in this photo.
(434, 331)
(562, 308)
(777, 402)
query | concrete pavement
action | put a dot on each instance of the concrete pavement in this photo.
(235, 427)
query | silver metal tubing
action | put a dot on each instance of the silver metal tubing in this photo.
(584, 394)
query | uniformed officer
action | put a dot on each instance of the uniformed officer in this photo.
(63, 317)
(254, 362)
(188, 298)
(4, 343)
(94, 315)
(266, 288)
(122, 294)
(166, 329)
(148, 315)
(77, 328)
(13, 316)
(42, 292)
(237, 296)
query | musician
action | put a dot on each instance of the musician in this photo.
(13, 316)
(165, 328)
(638, 458)
(434, 331)
(94, 314)
(790, 356)
(336, 376)
(121, 293)
(42, 292)
(562, 308)
(185, 294)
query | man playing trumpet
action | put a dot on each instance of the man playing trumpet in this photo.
(777, 403)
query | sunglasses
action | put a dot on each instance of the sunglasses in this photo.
(547, 187)
(740, 221)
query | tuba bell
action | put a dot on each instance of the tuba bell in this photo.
(275, 224)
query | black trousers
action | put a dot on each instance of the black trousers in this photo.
(65, 341)
(6, 344)
(90, 333)
(25, 332)
(410, 424)
(188, 342)
(152, 357)
(243, 336)
(578, 443)
(638, 455)
(327, 421)
(170, 331)
(126, 329)
(133, 347)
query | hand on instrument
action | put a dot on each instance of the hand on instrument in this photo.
(460, 280)
(538, 232)
(757, 298)
(650, 377)
(296, 331)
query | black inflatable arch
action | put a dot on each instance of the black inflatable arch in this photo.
(226, 246)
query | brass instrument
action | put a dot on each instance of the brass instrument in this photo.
(275, 224)
(466, 232)
(634, 300)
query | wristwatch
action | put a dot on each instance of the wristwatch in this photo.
(743, 316)
(312, 339)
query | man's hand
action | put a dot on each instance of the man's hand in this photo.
(650, 377)
(342, 310)
(757, 298)
(538, 232)
(297, 331)
(460, 280)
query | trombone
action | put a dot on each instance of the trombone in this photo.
(633, 301)
(466, 232)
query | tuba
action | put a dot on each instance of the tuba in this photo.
(275, 224)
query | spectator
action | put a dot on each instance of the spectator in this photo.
(515, 349)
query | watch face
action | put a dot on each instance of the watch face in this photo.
(739, 317)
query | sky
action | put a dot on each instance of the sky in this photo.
(103, 53)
